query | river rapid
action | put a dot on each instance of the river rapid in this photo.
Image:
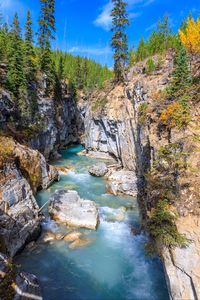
(113, 266)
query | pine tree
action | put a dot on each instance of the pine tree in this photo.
(30, 57)
(46, 34)
(85, 72)
(15, 76)
(181, 76)
(61, 67)
(79, 73)
(119, 39)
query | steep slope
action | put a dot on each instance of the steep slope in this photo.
(129, 122)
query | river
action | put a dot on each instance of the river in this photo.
(113, 266)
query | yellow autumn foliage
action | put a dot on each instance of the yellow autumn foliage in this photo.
(175, 115)
(190, 37)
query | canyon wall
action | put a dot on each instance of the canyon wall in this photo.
(124, 121)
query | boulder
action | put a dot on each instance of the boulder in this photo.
(72, 236)
(17, 286)
(68, 208)
(98, 170)
(78, 243)
(122, 182)
(27, 284)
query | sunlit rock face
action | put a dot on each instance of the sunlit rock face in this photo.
(21, 175)
(114, 125)
(68, 208)
(19, 222)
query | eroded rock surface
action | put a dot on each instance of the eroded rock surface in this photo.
(19, 221)
(68, 208)
(99, 170)
(123, 181)
(17, 286)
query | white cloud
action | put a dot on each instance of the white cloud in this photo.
(104, 19)
(151, 27)
(90, 50)
(9, 7)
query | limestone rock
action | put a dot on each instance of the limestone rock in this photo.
(78, 243)
(68, 208)
(19, 221)
(182, 265)
(17, 286)
(72, 236)
(99, 170)
(27, 284)
(122, 181)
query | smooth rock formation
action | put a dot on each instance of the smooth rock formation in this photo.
(78, 243)
(183, 264)
(99, 170)
(19, 220)
(68, 208)
(124, 182)
(72, 236)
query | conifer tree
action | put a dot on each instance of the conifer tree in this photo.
(119, 41)
(30, 57)
(15, 76)
(79, 73)
(61, 68)
(85, 72)
(46, 34)
(181, 76)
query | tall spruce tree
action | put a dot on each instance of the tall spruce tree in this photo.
(182, 76)
(119, 39)
(15, 75)
(46, 34)
(30, 56)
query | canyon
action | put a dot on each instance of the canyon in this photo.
(110, 124)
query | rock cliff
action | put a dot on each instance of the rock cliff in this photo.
(125, 122)
(22, 172)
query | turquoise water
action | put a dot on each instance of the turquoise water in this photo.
(113, 266)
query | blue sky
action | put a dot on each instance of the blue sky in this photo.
(83, 26)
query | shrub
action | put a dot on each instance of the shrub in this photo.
(162, 227)
(6, 147)
(142, 112)
(150, 66)
(99, 104)
(176, 114)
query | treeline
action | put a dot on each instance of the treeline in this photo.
(160, 40)
(27, 61)
(80, 72)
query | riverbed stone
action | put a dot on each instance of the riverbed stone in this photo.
(78, 243)
(122, 182)
(72, 236)
(15, 285)
(27, 284)
(99, 170)
(68, 208)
